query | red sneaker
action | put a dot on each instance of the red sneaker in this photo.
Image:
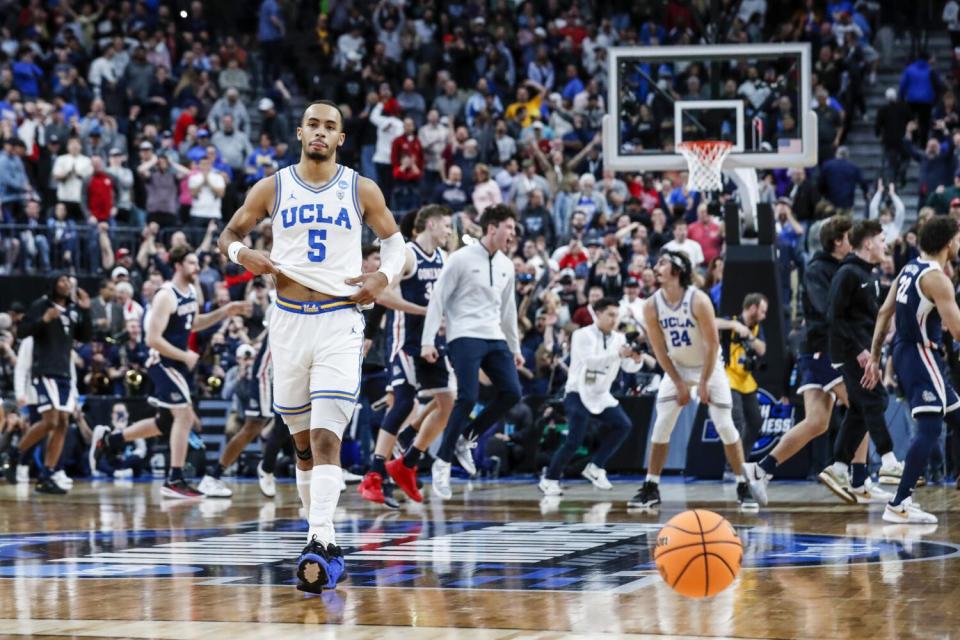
(405, 477)
(371, 489)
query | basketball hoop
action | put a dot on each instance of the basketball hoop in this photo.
(704, 163)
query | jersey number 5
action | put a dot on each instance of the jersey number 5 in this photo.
(680, 339)
(318, 251)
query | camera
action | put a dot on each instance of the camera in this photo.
(634, 342)
(750, 360)
(525, 277)
(119, 338)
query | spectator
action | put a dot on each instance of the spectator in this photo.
(69, 172)
(389, 128)
(98, 193)
(839, 179)
(919, 86)
(450, 192)
(105, 313)
(62, 232)
(891, 127)
(937, 164)
(33, 240)
(207, 187)
(122, 180)
(433, 138)
(528, 181)
(271, 29)
(536, 220)
(682, 243)
(162, 186)
(449, 103)
(229, 105)
(15, 186)
(486, 192)
(789, 249)
(706, 232)
(891, 221)
(830, 129)
(412, 102)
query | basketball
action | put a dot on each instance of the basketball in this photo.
(698, 553)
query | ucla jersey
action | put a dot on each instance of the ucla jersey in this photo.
(180, 323)
(416, 288)
(317, 230)
(680, 330)
(917, 319)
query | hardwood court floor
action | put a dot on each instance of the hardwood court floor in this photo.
(113, 560)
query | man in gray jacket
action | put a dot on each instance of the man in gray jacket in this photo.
(475, 293)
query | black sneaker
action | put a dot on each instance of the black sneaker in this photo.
(745, 498)
(10, 469)
(180, 489)
(320, 568)
(647, 498)
(47, 485)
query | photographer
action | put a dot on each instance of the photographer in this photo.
(597, 353)
(742, 342)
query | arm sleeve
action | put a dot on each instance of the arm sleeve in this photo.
(438, 301)
(508, 315)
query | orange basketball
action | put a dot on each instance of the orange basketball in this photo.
(698, 553)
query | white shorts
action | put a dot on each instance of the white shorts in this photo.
(317, 350)
(719, 386)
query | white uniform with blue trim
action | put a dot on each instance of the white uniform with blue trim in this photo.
(317, 347)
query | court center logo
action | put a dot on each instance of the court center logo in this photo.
(528, 556)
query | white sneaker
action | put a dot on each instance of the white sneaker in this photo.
(441, 479)
(757, 479)
(464, 453)
(99, 433)
(23, 474)
(268, 484)
(890, 473)
(596, 475)
(62, 480)
(907, 513)
(838, 482)
(351, 478)
(550, 488)
(214, 488)
(870, 493)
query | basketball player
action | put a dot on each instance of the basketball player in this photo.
(318, 208)
(54, 321)
(423, 263)
(172, 316)
(820, 384)
(683, 333)
(258, 413)
(921, 301)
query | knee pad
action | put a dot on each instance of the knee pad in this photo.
(403, 398)
(164, 421)
(303, 454)
(332, 415)
(667, 414)
(723, 423)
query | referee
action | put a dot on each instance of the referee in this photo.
(852, 306)
(475, 294)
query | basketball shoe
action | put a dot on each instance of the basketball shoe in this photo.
(405, 477)
(870, 493)
(837, 479)
(371, 489)
(550, 487)
(745, 498)
(47, 485)
(597, 476)
(320, 568)
(757, 479)
(214, 488)
(890, 473)
(63, 481)
(98, 445)
(441, 479)
(464, 453)
(268, 484)
(180, 489)
(647, 498)
(907, 513)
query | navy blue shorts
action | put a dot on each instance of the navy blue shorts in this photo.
(425, 377)
(921, 373)
(56, 393)
(171, 385)
(815, 371)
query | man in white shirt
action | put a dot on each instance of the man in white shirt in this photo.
(475, 293)
(631, 305)
(682, 243)
(597, 353)
(69, 172)
(206, 187)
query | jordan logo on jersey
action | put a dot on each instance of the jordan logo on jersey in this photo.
(313, 214)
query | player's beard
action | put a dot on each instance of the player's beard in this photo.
(317, 156)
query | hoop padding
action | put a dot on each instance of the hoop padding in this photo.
(704, 163)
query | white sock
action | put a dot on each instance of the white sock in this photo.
(324, 496)
(653, 478)
(303, 488)
(889, 459)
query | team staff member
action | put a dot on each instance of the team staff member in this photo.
(745, 333)
(852, 307)
(475, 293)
(597, 353)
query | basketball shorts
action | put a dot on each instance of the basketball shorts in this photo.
(55, 392)
(317, 351)
(260, 393)
(921, 373)
(171, 385)
(815, 371)
(426, 377)
(719, 386)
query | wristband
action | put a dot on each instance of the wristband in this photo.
(233, 251)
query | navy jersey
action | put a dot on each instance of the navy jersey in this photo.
(180, 323)
(917, 319)
(416, 288)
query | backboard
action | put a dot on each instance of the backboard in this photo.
(758, 97)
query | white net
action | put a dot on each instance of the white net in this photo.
(704, 163)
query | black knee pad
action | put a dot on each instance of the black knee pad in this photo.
(303, 454)
(164, 421)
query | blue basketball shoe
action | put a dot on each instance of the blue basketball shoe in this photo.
(319, 568)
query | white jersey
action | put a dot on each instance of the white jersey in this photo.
(317, 230)
(680, 331)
